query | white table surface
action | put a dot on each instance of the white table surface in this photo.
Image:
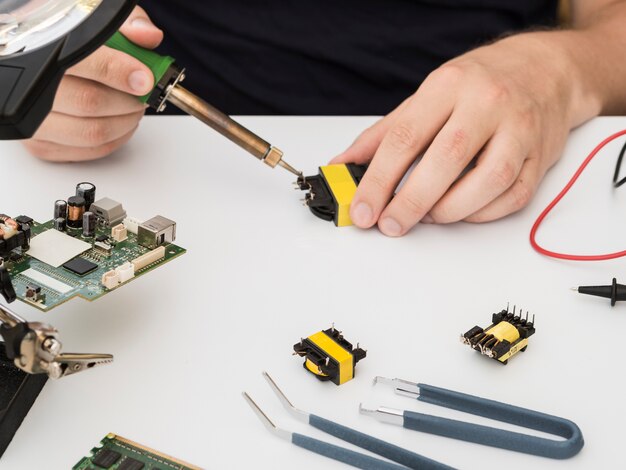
(261, 272)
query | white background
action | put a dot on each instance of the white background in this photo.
(261, 272)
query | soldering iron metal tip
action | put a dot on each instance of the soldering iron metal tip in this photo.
(288, 167)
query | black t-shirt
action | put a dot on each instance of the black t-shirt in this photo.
(335, 57)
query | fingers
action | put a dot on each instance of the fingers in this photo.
(497, 169)
(409, 134)
(515, 198)
(54, 152)
(364, 147)
(84, 132)
(81, 97)
(118, 70)
(139, 29)
(460, 139)
(94, 111)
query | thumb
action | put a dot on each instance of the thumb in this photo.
(364, 147)
(139, 29)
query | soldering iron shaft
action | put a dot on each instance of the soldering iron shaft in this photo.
(222, 123)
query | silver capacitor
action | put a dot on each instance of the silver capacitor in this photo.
(89, 224)
(60, 224)
(60, 209)
(88, 192)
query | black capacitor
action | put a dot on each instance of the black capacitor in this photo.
(75, 211)
(89, 224)
(60, 209)
(60, 223)
(88, 192)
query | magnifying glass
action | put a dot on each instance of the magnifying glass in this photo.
(39, 41)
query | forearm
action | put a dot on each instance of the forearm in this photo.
(596, 45)
(582, 67)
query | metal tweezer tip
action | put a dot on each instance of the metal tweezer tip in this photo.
(401, 387)
(383, 414)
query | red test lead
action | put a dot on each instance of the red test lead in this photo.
(557, 199)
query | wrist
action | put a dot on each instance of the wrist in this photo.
(558, 60)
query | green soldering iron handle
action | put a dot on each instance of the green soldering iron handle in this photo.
(157, 63)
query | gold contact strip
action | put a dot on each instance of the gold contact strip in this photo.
(152, 451)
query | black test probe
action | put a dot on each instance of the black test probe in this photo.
(614, 292)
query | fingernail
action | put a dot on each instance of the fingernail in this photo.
(390, 227)
(139, 81)
(142, 23)
(362, 214)
(427, 219)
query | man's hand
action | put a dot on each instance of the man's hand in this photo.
(96, 109)
(509, 105)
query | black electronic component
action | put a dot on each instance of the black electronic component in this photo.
(18, 392)
(80, 266)
(330, 192)
(506, 336)
(24, 220)
(130, 464)
(88, 192)
(102, 238)
(616, 292)
(329, 356)
(75, 211)
(89, 224)
(6, 286)
(60, 224)
(106, 458)
(60, 209)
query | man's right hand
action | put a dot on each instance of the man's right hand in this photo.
(96, 109)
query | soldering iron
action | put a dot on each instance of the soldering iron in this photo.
(39, 41)
(168, 77)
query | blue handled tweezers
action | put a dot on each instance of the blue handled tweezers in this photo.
(405, 458)
(485, 435)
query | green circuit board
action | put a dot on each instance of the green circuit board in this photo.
(58, 284)
(118, 453)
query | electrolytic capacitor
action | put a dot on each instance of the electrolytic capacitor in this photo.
(60, 209)
(60, 223)
(75, 211)
(89, 224)
(88, 192)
